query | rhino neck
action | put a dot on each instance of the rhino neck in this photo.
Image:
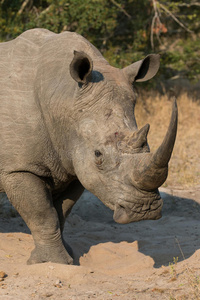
(56, 118)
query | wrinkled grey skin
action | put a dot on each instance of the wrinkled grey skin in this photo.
(67, 123)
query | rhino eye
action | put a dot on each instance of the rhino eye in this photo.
(97, 153)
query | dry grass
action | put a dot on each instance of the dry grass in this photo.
(184, 167)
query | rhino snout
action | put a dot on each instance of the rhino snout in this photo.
(151, 211)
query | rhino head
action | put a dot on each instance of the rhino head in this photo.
(110, 155)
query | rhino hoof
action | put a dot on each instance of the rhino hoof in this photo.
(42, 257)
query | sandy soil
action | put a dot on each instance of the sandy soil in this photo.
(145, 260)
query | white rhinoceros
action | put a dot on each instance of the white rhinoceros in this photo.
(67, 123)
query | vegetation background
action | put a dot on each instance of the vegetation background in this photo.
(124, 31)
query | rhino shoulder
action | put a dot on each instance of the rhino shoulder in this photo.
(36, 36)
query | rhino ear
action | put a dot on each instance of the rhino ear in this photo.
(81, 67)
(143, 70)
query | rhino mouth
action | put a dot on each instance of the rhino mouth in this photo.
(124, 215)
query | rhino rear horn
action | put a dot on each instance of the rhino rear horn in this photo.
(81, 67)
(139, 137)
(143, 70)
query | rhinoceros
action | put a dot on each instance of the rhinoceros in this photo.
(67, 124)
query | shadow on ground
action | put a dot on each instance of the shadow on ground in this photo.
(176, 234)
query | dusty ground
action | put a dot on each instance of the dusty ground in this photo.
(145, 260)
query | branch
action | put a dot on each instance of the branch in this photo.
(44, 11)
(152, 27)
(121, 8)
(157, 19)
(22, 7)
(175, 19)
(189, 5)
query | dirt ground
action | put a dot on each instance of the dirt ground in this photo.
(145, 260)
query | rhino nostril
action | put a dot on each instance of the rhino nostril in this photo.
(121, 206)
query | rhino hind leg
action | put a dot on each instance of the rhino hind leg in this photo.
(32, 199)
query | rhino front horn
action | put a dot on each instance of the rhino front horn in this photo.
(152, 168)
(163, 154)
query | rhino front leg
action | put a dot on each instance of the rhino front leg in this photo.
(32, 198)
(64, 202)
